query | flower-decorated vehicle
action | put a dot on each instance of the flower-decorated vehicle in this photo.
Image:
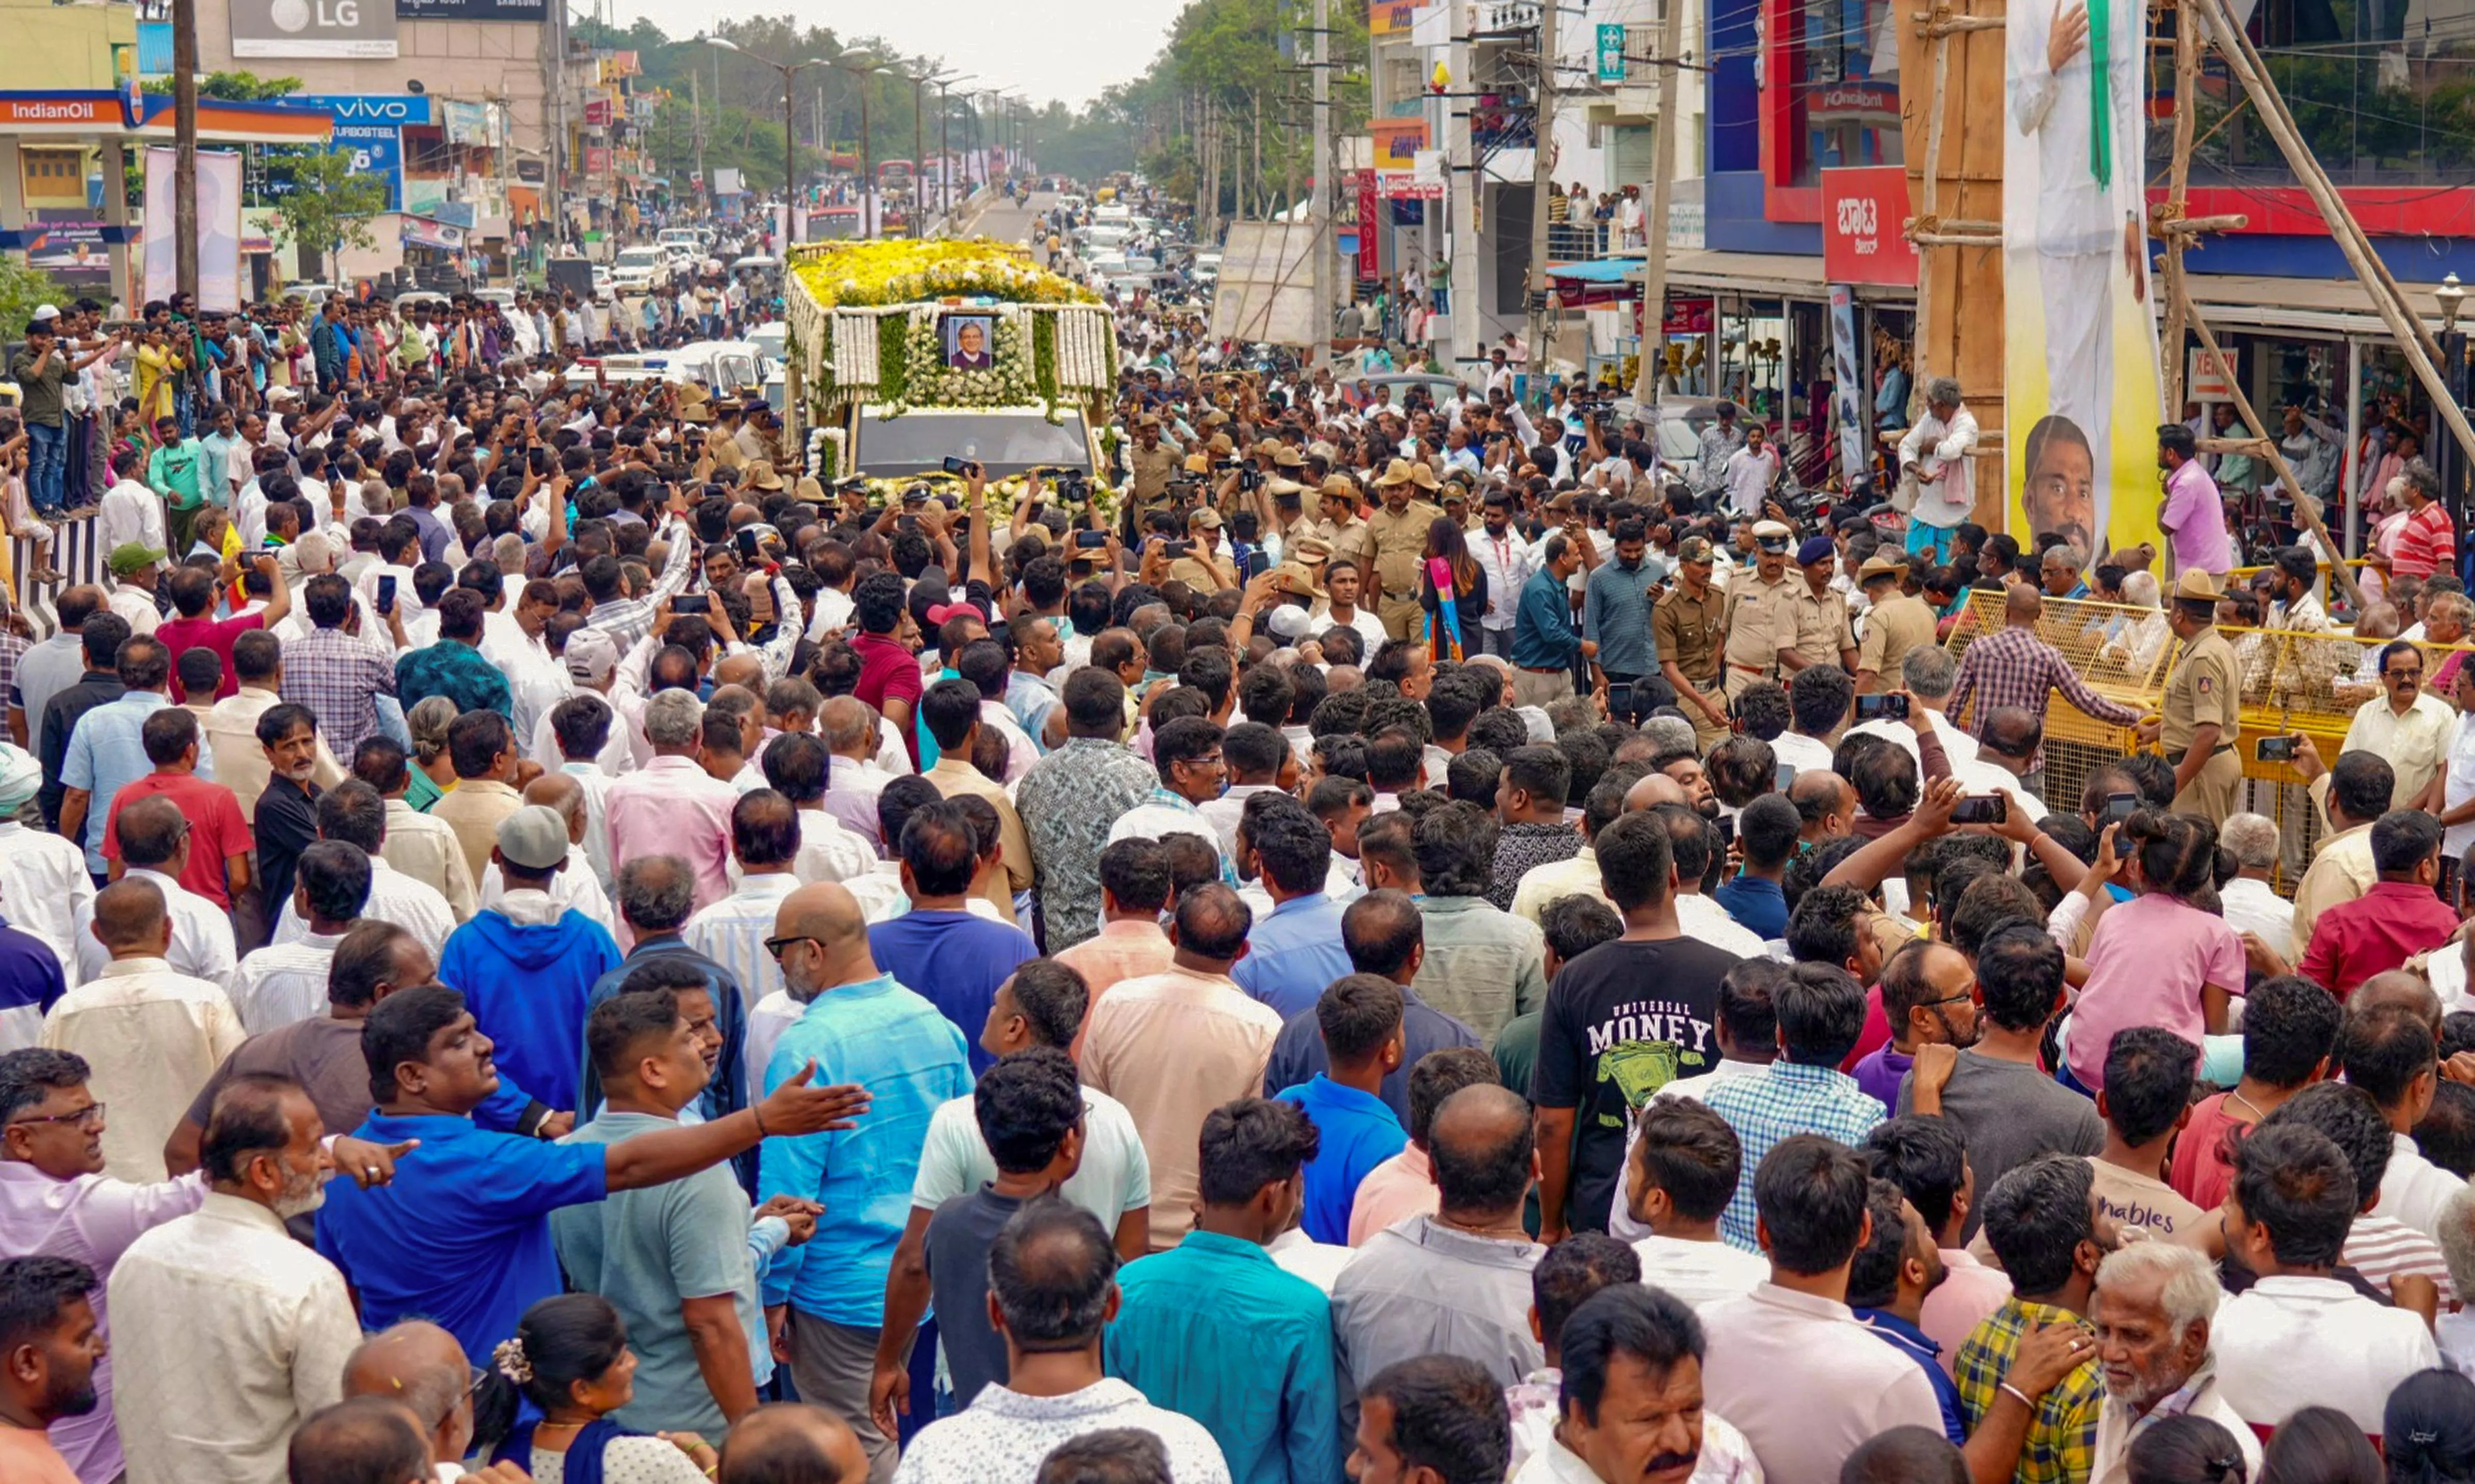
(903, 355)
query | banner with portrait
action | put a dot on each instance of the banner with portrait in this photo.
(2082, 397)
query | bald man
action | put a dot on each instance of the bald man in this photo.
(359, 1440)
(1651, 790)
(1825, 802)
(861, 1026)
(577, 887)
(858, 772)
(792, 1443)
(1470, 1262)
(151, 1035)
(422, 1366)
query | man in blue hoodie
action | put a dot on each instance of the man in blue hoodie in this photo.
(526, 967)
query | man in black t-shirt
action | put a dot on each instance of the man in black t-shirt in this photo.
(1622, 1021)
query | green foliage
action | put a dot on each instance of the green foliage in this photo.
(892, 368)
(329, 205)
(1043, 357)
(21, 289)
(246, 86)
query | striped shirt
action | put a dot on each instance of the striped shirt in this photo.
(2426, 544)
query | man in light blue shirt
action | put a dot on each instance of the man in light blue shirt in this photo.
(108, 750)
(677, 1261)
(858, 1026)
(1294, 951)
(1215, 1331)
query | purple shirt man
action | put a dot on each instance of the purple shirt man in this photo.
(2194, 519)
(1879, 1074)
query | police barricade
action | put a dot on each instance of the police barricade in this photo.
(2293, 684)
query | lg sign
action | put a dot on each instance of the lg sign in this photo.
(298, 15)
(313, 28)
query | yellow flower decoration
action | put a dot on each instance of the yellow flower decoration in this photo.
(871, 274)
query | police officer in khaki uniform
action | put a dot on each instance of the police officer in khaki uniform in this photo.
(1822, 635)
(1761, 617)
(2202, 715)
(1150, 464)
(1895, 624)
(1396, 542)
(1206, 568)
(1343, 532)
(1687, 625)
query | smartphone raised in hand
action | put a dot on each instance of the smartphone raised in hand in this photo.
(690, 603)
(1876, 708)
(386, 595)
(1987, 809)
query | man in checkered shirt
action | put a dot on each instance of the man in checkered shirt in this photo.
(2013, 666)
(335, 674)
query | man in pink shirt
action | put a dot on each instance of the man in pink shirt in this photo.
(671, 806)
(1404, 1185)
(1927, 1160)
(1134, 892)
(2193, 514)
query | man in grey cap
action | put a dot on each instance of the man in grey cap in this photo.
(526, 965)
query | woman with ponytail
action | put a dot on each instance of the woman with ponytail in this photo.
(2427, 1429)
(2159, 959)
(2186, 1450)
(570, 1358)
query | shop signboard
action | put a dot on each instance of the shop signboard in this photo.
(533, 11)
(313, 28)
(2212, 376)
(369, 127)
(1387, 18)
(1612, 52)
(1864, 217)
(1397, 141)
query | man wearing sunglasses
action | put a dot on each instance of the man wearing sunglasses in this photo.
(55, 1201)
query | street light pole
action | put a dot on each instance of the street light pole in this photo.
(790, 71)
(860, 75)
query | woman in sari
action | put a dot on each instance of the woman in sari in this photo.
(1452, 588)
(569, 1357)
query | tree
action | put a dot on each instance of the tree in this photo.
(329, 205)
(246, 86)
(21, 289)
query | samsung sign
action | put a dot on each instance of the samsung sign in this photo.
(313, 28)
(368, 127)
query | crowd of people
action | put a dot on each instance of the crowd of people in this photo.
(543, 942)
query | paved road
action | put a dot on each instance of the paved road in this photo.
(1011, 222)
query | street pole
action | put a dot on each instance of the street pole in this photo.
(789, 169)
(1464, 275)
(1662, 190)
(919, 144)
(946, 148)
(1542, 151)
(695, 124)
(1320, 240)
(185, 147)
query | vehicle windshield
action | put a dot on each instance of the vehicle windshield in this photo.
(922, 439)
(643, 257)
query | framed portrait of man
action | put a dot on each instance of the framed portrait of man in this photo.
(970, 342)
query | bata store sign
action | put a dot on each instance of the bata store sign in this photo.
(1864, 211)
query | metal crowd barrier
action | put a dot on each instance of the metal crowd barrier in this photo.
(2292, 684)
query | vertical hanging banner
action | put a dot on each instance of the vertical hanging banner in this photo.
(219, 190)
(2082, 396)
(1848, 404)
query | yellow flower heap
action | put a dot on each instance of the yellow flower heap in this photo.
(876, 273)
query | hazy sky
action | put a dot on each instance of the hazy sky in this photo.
(1064, 49)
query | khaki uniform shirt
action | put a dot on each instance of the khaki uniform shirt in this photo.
(1761, 620)
(1397, 542)
(1892, 629)
(1151, 470)
(1203, 577)
(1820, 624)
(1688, 629)
(2201, 689)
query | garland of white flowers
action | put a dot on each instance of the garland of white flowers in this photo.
(1085, 349)
(855, 363)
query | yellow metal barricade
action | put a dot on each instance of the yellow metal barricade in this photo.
(2292, 684)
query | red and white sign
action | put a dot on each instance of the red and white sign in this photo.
(1864, 211)
(2211, 379)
